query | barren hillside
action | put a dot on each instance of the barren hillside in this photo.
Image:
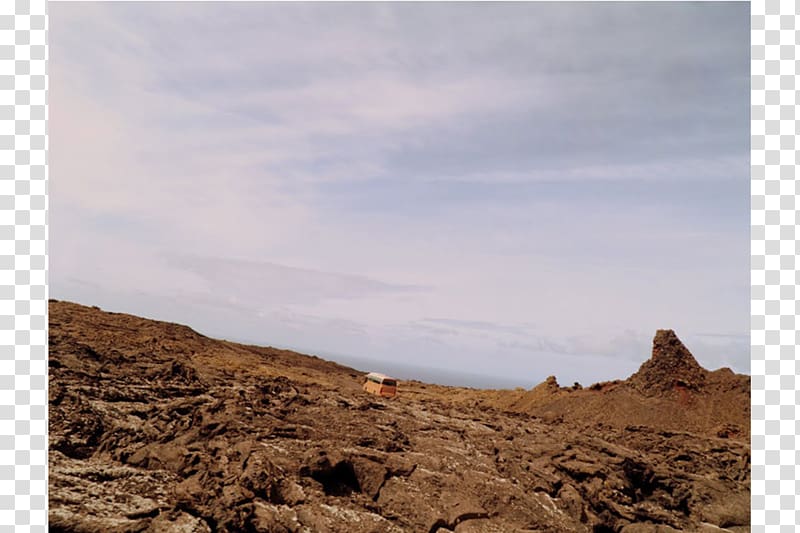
(154, 427)
(670, 392)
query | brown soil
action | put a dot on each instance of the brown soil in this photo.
(154, 427)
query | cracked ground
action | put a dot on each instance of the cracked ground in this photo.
(154, 427)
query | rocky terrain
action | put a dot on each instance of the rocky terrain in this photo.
(154, 427)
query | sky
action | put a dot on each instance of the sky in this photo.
(507, 190)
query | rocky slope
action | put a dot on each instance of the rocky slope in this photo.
(670, 392)
(154, 427)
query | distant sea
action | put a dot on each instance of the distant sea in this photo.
(402, 371)
(429, 375)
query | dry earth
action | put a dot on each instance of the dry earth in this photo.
(154, 427)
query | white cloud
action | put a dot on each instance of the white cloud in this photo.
(199, 150)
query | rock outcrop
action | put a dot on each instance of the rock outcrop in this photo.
(670, 392)
(156, 428)
(671, 367)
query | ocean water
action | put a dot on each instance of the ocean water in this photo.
(402, 371)
(427, 374)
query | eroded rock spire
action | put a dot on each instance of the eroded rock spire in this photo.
(671, 365)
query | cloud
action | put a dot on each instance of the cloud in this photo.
(394, 179)
(386, 85)
(266, 285)
(479, 325)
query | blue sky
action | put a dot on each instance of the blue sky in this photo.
(516, 190)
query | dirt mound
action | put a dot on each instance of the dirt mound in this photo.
(154, 427)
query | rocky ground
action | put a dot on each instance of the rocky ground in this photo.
(156, 428)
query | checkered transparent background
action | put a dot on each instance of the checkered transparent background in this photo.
(23, 265)
(774, 274)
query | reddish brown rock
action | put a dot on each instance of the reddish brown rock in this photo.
(672, 367)
(154, 427)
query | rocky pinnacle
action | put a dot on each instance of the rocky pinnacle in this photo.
(671, 365)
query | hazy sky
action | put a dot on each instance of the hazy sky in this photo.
(516, 190)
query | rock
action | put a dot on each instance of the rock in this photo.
(289, 492)
(548, 386)
(156, 428)
(259, 475)
(571, 501)
(712, 505)
(670, 367)
(646, 527)
(478, 525)
(177, 522)
(370, 475)
(268, 518)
